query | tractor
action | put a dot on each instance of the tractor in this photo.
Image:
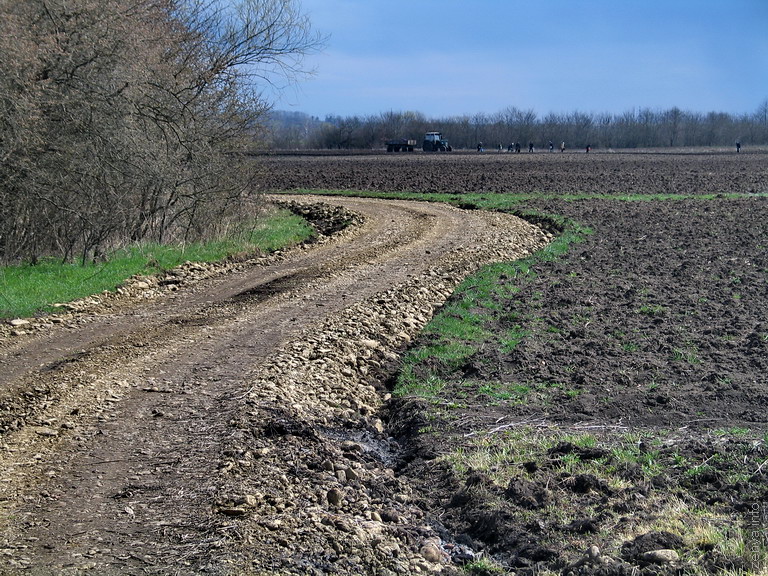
(434, 142)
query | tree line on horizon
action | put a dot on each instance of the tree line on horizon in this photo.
(126, 121)
(637, 128)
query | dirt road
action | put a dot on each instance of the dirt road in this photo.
(236, 425)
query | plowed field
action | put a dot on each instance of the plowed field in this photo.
(630, 419)
(609, 417)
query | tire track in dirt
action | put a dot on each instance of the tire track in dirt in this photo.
(123, 464)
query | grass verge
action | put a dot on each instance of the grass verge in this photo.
(29, 290)
(458, 330)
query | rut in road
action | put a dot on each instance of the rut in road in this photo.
(186, 434)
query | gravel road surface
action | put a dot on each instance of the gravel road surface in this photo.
(235, 422)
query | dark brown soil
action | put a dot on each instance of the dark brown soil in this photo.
(657, 318)
(652, 330)
(619, 173)
(642, 378)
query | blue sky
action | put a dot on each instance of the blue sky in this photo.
(455, 57)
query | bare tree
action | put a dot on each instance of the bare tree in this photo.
(520, 125)
(131, 119)
(761, 119)
(673, 119)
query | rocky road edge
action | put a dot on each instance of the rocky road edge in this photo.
(310, 470)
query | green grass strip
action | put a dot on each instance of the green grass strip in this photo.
(28, 290)
(456, 332)
(506, 201)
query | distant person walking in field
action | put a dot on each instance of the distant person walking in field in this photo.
(517, 147)
(738, 146)
(588, 148)
(530, 146)
(551, 146)
(562, 147)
